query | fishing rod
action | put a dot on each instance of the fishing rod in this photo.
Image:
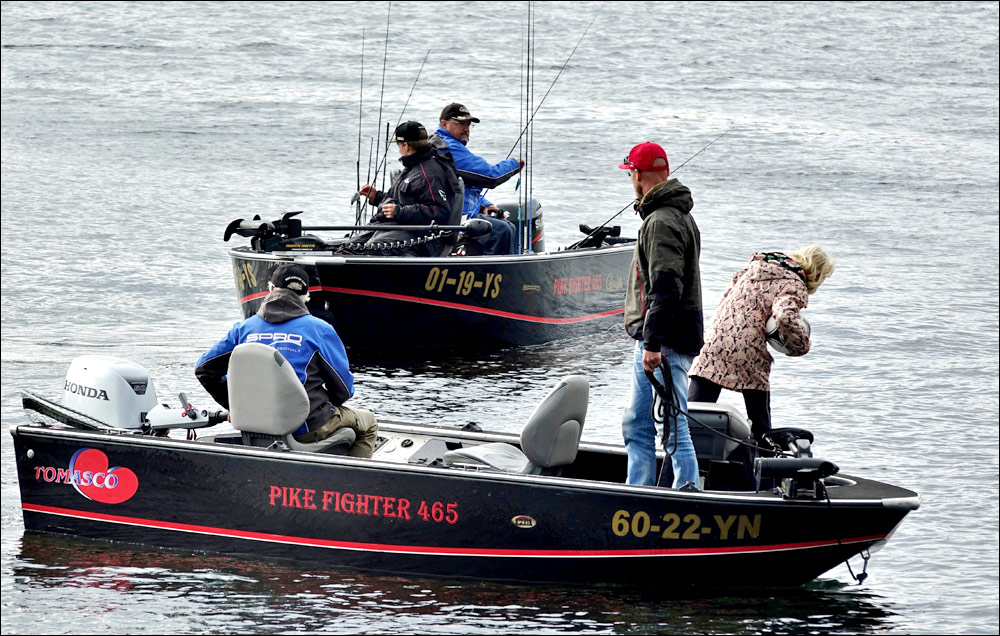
(361, 103)
(385, 56)
(385, 153)
(634, 202)
(727, 131)
(399, 121)
(521, 111)
(382, 163)
(529, 128)
(531, 119)
(520, 120)
(356, 197)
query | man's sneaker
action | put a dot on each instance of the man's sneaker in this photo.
(689, 487)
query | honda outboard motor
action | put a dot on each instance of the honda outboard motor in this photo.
(110, 390)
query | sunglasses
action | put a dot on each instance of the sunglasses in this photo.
(629, 162)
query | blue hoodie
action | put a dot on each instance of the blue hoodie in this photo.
(477, 173)
(309, 344)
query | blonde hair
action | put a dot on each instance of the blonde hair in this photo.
(816, 264)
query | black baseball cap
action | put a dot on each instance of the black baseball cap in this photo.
(291, 276)
(458, 113)
(410, 131)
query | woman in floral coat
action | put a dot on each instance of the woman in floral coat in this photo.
(735, 354)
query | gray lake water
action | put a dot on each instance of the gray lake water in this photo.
(133, 133)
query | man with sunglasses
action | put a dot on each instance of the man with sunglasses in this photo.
(663, 314)
(451, 137)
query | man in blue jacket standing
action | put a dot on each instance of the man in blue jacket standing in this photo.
(451, 136)
(313, 349)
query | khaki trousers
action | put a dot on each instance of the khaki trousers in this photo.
(362, 422)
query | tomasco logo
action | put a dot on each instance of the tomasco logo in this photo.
(88, 472)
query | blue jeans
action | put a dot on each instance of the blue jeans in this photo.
(639, 429)
(502, 240)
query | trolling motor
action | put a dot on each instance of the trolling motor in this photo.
(596, 237)
(796, 441)
(286, 234)
(798, 474)
(282, 235)
(799, 478)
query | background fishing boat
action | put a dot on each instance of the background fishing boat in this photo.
(446, 303)
(459, 301)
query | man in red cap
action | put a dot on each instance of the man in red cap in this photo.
(663, 313)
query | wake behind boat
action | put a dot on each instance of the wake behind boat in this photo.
(454, 503)
(450, 301)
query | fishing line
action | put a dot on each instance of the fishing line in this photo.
(635, 202)
(398, 121)
(415, 80)
(703, 149)
(532, 119)
(537, 108)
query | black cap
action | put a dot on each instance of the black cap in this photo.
(410, 131)
(458, 113)
(291, 276)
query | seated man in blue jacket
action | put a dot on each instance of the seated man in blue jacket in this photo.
(313, 349)
(451, 136)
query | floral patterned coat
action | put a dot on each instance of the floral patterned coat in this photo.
(735, 354)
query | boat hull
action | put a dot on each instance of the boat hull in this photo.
(415, 518)
(452, 302)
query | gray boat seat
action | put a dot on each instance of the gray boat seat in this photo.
(550, 437)
(267, 402)
(724, 418)
(449, 241)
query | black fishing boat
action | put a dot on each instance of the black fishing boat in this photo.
(456, 503)
(452, 301)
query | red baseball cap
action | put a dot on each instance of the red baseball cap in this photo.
(641, 158)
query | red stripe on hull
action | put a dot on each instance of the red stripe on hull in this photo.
(450, 305)
(431, 550)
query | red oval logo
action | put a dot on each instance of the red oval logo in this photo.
(98, 482)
